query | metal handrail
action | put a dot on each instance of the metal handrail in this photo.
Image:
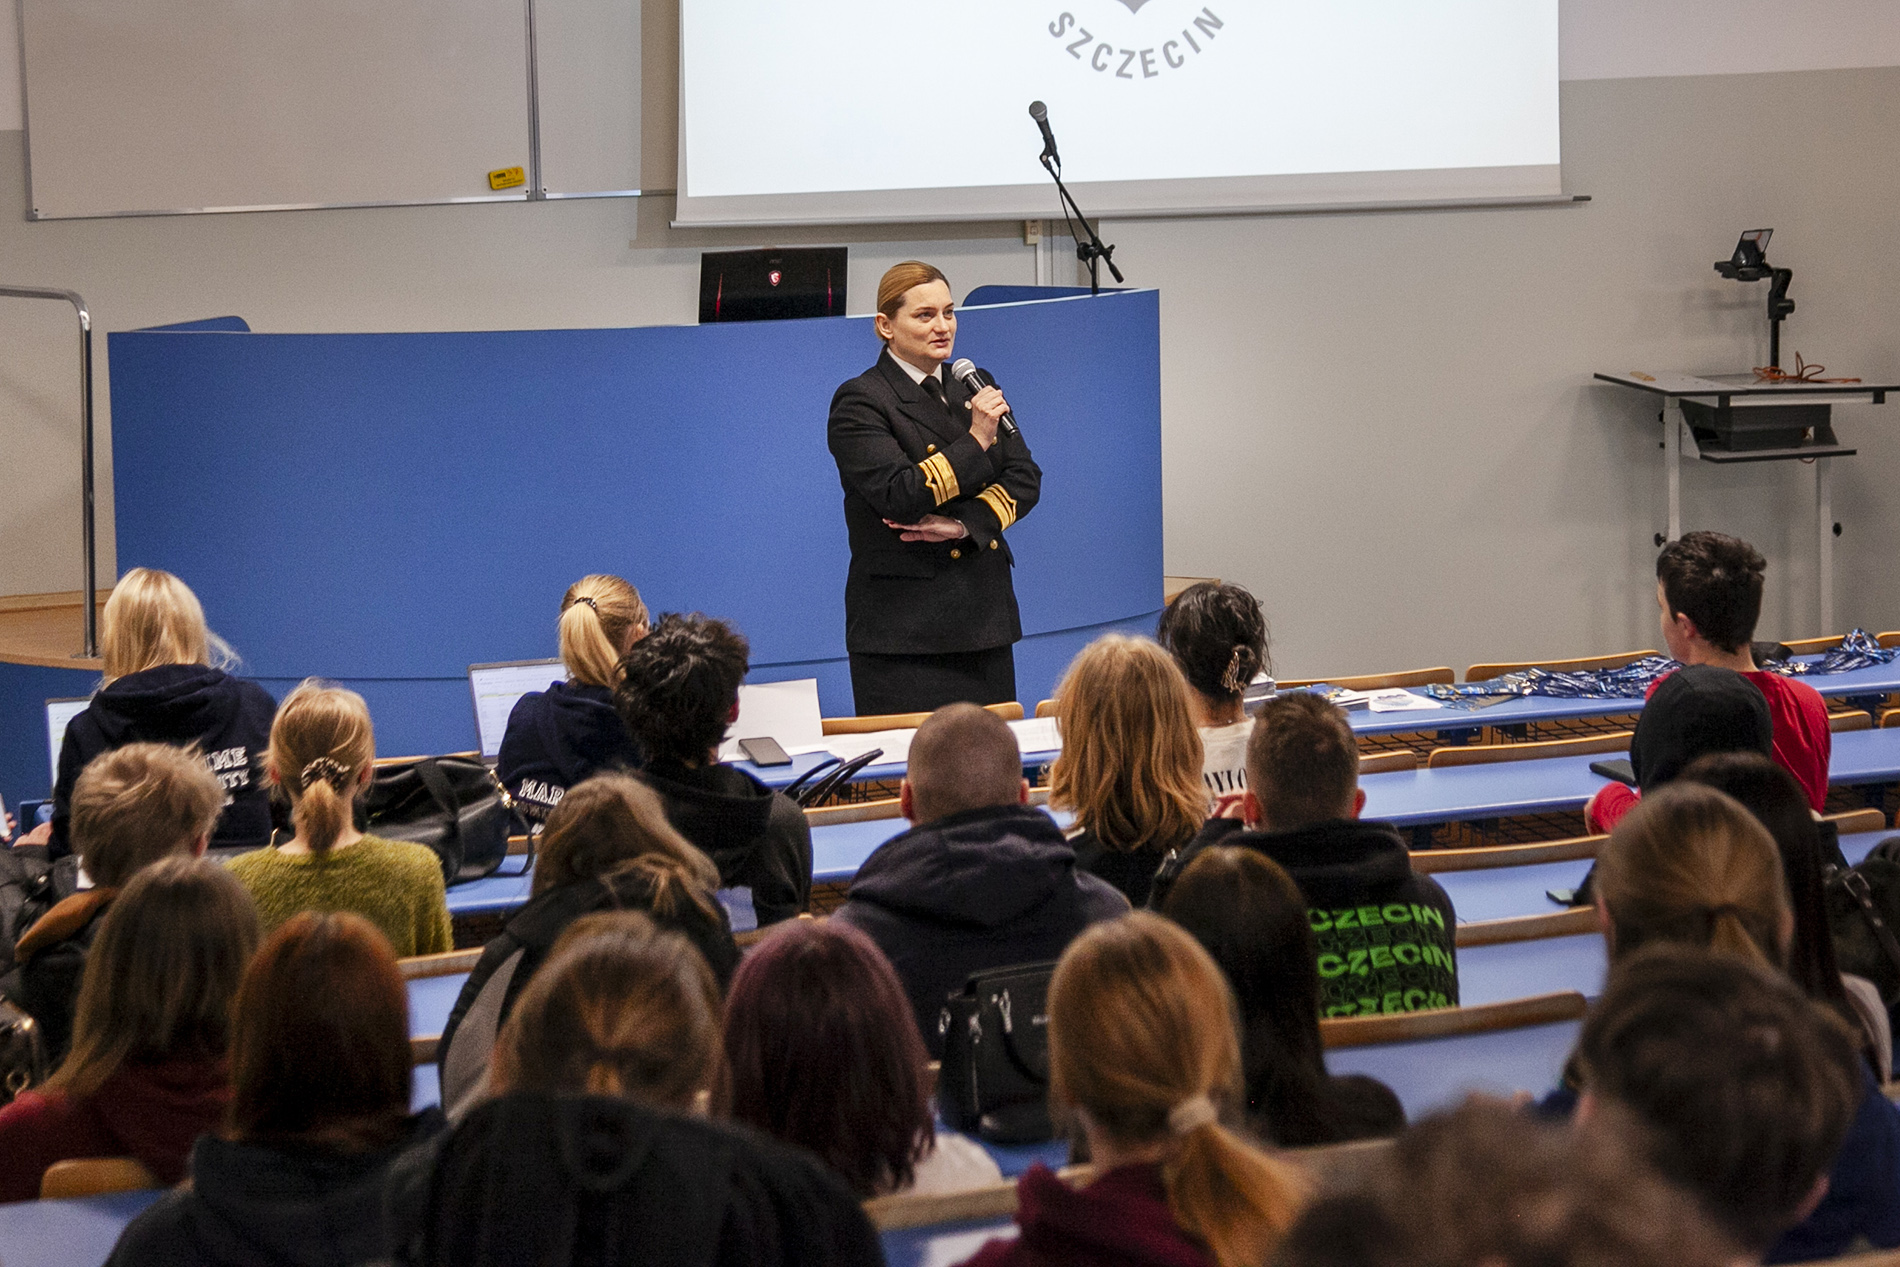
(87, 536)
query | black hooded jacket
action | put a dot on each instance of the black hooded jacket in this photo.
(758, 838)
(586, 1181)
(228, 718)
(511, 960)
(986, 888)
(1387, 935)
(558, 737)
(252, 1205)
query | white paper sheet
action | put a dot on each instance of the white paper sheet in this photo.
(1037, 734)
(895, 743)
(785, 711)
(1398, 700)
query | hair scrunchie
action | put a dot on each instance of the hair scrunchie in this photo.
(326, 770)
(1192, 1114)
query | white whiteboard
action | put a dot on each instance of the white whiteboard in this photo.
(141, 107)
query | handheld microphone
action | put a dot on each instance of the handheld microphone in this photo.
(976, 380)
(1040, 113)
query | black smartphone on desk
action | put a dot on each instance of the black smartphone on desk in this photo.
(1620, 770)
(764, 751)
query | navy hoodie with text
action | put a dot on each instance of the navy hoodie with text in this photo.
(226, 717)
(558, 737)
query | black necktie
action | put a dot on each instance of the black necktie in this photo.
(935, 389)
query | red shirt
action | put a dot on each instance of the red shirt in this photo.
(151, 1112)
(1803, 746)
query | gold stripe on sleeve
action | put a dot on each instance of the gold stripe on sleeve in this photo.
(940, 476)
(1001, 502)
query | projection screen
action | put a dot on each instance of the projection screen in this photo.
(842, 111)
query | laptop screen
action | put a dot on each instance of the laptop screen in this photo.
(58, 713)
(496, 687)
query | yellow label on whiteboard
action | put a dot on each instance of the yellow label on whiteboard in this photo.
(507, 178)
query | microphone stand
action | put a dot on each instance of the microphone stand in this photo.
(1091, 252)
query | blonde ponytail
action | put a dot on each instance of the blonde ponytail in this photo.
(600, 617)
(1690, 866)
(321, 742)
(1143, 1043)
(1233, 1198)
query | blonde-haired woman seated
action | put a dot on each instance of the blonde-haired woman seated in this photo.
(1130, 768)
(1143, 1058)
(321, 750)
(571, 731)
(166, 682)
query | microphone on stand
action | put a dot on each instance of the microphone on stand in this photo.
(1040, 113)
(976, 380)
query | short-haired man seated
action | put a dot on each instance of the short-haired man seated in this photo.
(981, 880)
(1744, 1091)
(1709, 589)
(1387, 935)
(679, 691)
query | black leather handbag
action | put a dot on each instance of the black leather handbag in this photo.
(22, 1052)
(994, 1081)
(454, 805)
(1863, 912)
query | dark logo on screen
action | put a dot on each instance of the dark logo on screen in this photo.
(1159, 52)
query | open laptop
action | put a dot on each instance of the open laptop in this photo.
(496, 687)
(59, 712)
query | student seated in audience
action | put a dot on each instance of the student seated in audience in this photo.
(320, 1073)
(1386, 935)
(607, 847)
(321, 751)
(595, 1150)
(147, 1073)
(1250, 916)
(1130, 766)
(1217, 634)
(131, 807)
(1697, 711)
(1708, 587)
(822, 1053)
(557, 737)
(1742, 1088)
(679, 692)
(1690, 866)
(1144, 1062)
(1771, 794)
(165, 682)
(1484, 1184)
(981, 880)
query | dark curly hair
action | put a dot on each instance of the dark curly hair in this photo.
(1716, 581)
(1218, 635)
(678, 686)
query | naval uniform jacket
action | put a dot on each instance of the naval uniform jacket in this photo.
(902, 455)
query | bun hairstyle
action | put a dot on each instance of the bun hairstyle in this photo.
(153, 619)
(621, 1008)
(1142, 1044)
(1690, 866)
(900, 279)
(600, 617)
(320, 744)
(1218, 635)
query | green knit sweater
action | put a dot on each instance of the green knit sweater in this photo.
(393, 884)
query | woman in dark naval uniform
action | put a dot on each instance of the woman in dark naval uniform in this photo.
(930, 485)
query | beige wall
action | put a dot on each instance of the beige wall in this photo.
(1383, 423)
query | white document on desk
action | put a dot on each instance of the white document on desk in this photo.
(895, 745)
(1398, 700)
(1037, 734)
(785, 711)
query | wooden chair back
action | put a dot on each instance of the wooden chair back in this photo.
(1380, 681)
(1890, 718)
(380, 762)
(1011, 711)
(1448, 1022)
(1495, 932)
(1814, 646)
(1890, 639)
(1387, 762)
(1488, 753)
(447, 964)
(861, 813)
(1852, 719)
(93, 1176)
(1857, 820)
(1046, 708)
(1438, 861)
(1485, 672)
